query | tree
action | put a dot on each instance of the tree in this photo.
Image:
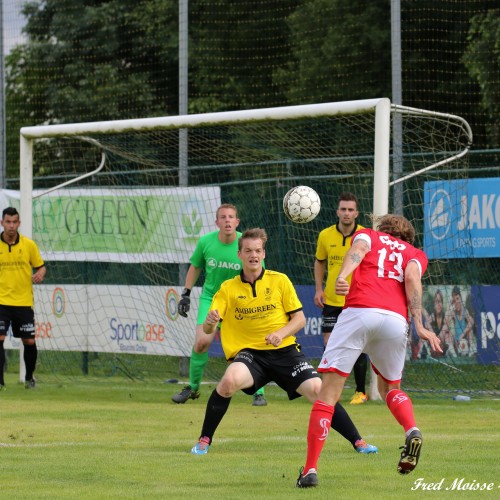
(92, 60)
(482, 58)
(435, 36)
(235, 49)
(341, 50)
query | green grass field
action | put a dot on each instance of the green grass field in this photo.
(110, 438)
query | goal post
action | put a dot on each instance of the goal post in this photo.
(116, 213)
(381, 107)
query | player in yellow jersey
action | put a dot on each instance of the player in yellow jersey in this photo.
(333, 243)
(259, 314)
(18, 257)
(216, 254)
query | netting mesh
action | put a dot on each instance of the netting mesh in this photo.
(117, 59)
(117, 258)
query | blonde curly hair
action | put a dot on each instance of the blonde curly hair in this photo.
(395, 225)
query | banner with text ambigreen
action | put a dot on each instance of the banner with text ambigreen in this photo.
(120, 225)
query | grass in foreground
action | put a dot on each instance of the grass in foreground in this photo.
(116, 439)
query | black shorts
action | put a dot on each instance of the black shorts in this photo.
(288, 367)
(22, 320)
(329, 316)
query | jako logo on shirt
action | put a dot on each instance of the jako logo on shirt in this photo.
(213, 264)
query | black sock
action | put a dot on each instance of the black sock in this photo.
(360, 373)
(216, 409)
(342, 423)
(30, 355)
(2, 362)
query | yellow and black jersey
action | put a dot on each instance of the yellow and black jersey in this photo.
(251, 311)
(16, 268)
(332, 246)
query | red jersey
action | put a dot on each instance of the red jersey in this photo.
(378, 282)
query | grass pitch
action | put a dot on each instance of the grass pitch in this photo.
(110, 438)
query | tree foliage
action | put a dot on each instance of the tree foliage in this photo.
(482, 58)
(352, 59)
(91, 60)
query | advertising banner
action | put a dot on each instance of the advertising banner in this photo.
(462, 218)
(119, 319)
(466, 319)
(487, 306)
(144, 320)
(120, 225)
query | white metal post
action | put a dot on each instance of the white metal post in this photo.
(381, 157)
(381, 183)
(26, 211)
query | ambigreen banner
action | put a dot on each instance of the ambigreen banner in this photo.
(121, 225)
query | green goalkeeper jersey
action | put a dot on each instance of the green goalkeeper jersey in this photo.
(220, 261)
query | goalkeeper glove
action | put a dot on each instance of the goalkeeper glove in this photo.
(185, 303)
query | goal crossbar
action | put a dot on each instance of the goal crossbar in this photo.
(381, 107)
(196, 120)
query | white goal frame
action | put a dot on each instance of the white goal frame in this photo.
(381, 107)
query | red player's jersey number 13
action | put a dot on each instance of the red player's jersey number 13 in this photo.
(394, 262)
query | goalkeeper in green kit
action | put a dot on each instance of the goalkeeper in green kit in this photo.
(217, 253)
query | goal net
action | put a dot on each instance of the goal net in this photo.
(119, 206)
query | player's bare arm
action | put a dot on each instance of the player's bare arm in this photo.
(413, 287)
(211, 321)
(352, 260)
(192, 276)
(319, 276)
(297, 321)
(39, 275)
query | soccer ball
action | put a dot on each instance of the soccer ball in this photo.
(301, 204)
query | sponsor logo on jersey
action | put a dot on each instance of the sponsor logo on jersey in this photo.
(215, 264)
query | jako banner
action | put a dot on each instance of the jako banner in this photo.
(462, 218)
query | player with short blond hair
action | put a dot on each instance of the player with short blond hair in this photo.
(259, 314)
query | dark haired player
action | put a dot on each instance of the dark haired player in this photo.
(333, 243)
(18, 257)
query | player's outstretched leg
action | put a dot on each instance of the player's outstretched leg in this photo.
(342, 423)
(411, 452)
